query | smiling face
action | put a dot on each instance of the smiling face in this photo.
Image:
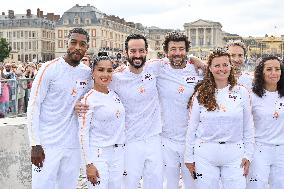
(76, 48)
(136, 53)
(271, 73)
(237, 56)
(102, 73)
(220, 68)
(177, 53)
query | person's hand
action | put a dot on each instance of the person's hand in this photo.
(81, 108)
(37, 156)
(120, 68)
(191, 168)
(245, 164)
(198, 64)
(92, 174)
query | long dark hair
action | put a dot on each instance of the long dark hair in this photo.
(258, 83)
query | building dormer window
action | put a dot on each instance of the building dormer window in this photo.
(76, 20)
(65, 22)
(87, 21)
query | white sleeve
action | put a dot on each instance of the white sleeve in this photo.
(85, 124)
(38, 93)
(248, 135)
(194, 118)
(155, 65)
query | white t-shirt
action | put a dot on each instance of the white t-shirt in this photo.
(175, 87)
(104, 123)
(55, 90)
(232, 122)
(139, 95)
(268, 114)
(246, 80)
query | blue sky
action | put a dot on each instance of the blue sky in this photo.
(243, 17)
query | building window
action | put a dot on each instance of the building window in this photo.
(59, 33)
(60, 44)
(93, 33)
(87, 21)
(65, 22)
(94, 43)
(65, 33)
(76, 20)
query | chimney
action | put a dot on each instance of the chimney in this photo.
(11, 14)
(29, 13)
(41, 14)
(88, 5)
(77, 5)
(56, 17)
(3, 13)
(50, 16)
(38, 12)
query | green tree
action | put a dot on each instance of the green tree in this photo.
(5, 49)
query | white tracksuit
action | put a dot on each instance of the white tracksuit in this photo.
(139, 95)
(268, 162)
(245, 80)
(53, 124)
(102, 137)
(175, 87)
(217, 141)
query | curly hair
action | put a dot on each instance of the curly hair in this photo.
(175, 36)
(236, 43)
(80, 31)
(258, 83)
(135, 36)
(206, 89)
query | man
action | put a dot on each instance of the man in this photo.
(52, 123)
(136, 87)
(176, 79)
(86, 60)
(237, 51)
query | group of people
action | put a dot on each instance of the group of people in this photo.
(16, 81)
(157, 119)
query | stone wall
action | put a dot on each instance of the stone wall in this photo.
(15, 166)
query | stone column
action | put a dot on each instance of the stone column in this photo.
(212, 37)
(197, 37)
(204, 36)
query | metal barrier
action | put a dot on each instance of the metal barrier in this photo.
(14, 95)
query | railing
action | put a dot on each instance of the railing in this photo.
(14, 95)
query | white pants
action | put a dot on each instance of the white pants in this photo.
(110, 163)
(173, 156)
(267, 167)
(144, 158)
(214, 160)
(60, 169)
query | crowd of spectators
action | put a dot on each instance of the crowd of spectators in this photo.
(15, 81)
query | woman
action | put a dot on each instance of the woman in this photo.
(220, 130)
(268, 113)
(102, 134)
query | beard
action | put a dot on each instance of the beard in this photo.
(134, 64)
(71, 56)
(179, 63)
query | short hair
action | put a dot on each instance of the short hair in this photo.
(80, 31)
(135, 36)
(258, 82)
(175, 36)
(236, 43)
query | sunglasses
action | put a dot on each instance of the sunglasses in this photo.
(84, 59)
